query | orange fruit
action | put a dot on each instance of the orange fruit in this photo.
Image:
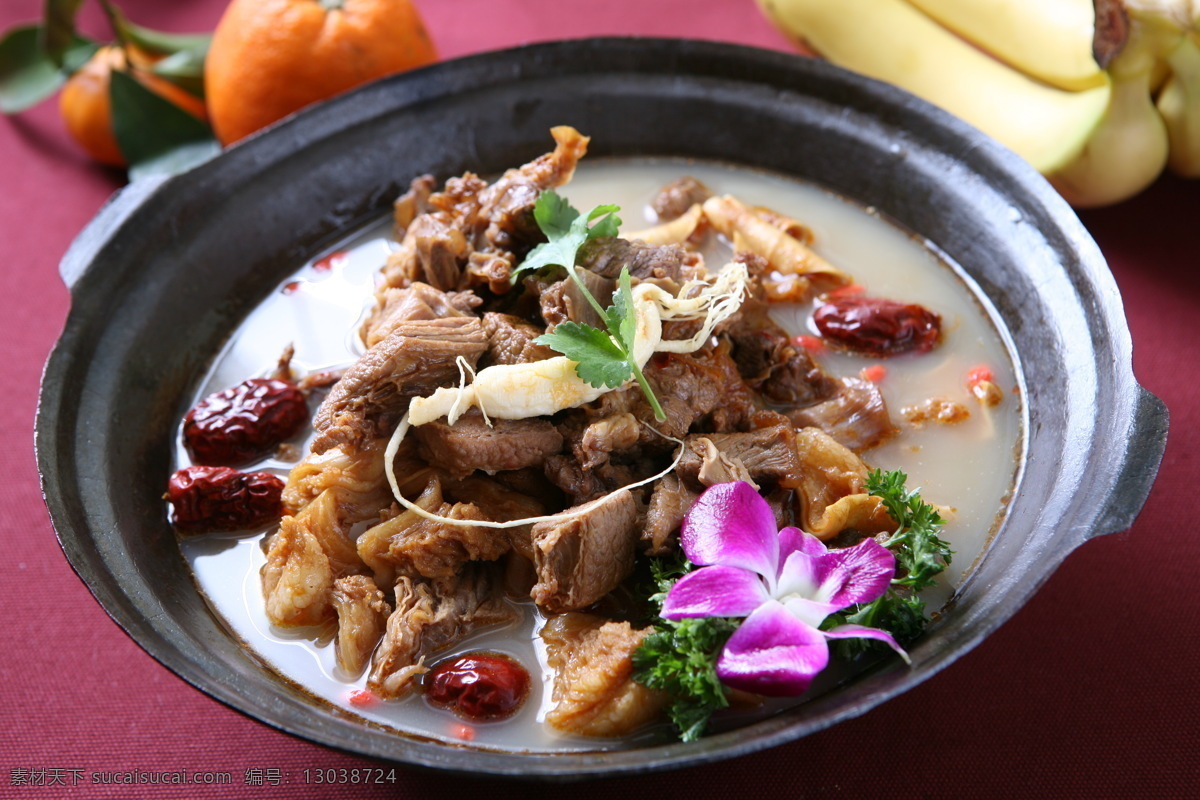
(269, 58)
(86, 107)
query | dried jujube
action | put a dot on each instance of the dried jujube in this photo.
(479, 686)
(877, 327)
(242, 423)
(209, 498)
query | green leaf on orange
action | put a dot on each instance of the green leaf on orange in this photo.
(154, 135)
(58, 28)
(27, 74)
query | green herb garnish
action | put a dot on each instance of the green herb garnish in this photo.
(603, 358)
(920, 555)
(680, 658)
(566, 231)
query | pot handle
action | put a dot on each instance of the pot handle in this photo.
(1143, 455)
(91, 240)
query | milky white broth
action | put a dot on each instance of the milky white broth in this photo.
(968, 467)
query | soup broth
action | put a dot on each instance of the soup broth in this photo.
(967, 468)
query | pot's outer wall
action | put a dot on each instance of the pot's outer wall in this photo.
(170, 268)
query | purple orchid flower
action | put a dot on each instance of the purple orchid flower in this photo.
(784, 583)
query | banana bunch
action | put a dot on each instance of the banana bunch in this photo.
(1098, 98)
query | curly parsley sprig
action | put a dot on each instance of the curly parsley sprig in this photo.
(680, 657)
(602, 357)
(921, 554)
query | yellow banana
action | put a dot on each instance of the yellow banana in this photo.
(1129, 148)
(1050, 40)
(1125, 153)
(1022, 71)
(892, 41)
(1179, 104)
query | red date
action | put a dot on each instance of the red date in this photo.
(877, 327)
(223, 499)
(244, 422)
(479, 686)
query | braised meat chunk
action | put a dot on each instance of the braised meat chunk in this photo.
(415, 301)
(507, 205)
(511, 341)
(786, 375)
(413, 360)
(768, 455)
(674, 199)
(607, 256)
(584, 556)
(856, 416)
(432, 548)
(594, 690)
(669, 502)
(471, 444)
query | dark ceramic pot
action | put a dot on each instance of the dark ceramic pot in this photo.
(170, 267)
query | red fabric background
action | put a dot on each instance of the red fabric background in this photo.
(1090, 691)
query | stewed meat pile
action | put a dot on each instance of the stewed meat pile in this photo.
(557, 508)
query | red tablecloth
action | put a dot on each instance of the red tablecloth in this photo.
(1090, 691)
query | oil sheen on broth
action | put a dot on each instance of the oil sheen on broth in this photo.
(968, 467)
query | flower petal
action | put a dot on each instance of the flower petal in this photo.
(793, 539)
(863, 632)
(715, 591)
(857, 574)
(800, 575)
(731, 525)
(810, 612)
(773, 653)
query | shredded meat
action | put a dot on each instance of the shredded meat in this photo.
(594, 690)
(413, 360)
(362, 614)
(431, 616)
(583, 557)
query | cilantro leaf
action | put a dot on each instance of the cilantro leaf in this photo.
(620, 317)
(566, 231)
(599, 361)
(601, 358)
